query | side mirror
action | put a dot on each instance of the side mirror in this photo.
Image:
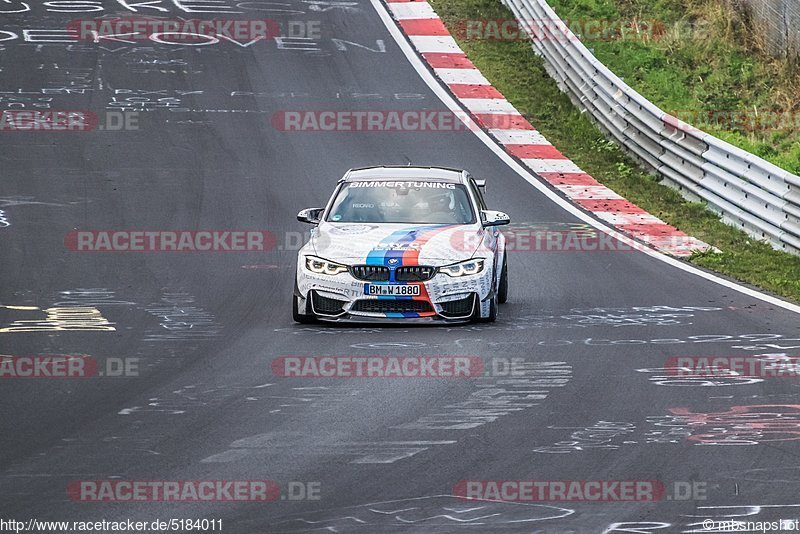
(494, 218)
(310, 215)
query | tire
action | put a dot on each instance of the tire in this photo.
(300, 317)
(492, 312)
(502, 291)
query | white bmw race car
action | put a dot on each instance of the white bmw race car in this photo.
(410, 244)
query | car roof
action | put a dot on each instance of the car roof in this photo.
(404, 172)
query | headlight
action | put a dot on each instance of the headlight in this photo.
(321, 266)
(464, 268)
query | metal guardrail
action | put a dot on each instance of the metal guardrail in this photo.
(747, 191)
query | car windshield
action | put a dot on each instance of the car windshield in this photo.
(406, 201)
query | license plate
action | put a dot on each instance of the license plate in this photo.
(392, 290)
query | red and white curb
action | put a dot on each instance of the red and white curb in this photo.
(493, 112)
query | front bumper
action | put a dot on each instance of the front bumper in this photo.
(342, 298)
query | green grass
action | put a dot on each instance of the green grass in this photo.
(519, 74)
(704, 58)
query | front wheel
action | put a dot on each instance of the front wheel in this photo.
(492, 312)
(502, 291)
(300, 317)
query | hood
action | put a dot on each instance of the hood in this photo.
(403, 244)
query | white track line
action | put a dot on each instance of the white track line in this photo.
(453, 106)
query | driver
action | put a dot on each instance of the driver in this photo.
(442, 206)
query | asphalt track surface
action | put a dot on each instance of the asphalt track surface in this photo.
(595, 327)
